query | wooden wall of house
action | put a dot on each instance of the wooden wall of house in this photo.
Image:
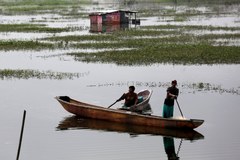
(96, 19)
(112, 18)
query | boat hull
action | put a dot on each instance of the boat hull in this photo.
(86, 110)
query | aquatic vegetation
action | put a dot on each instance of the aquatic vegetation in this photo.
(30, 28)
(61, 7)
(42, 2)
(196, 1)
(149, 53)
(145, 46)
(24, 45)
(185, 87)
(192, 27)
(220, 36)
(74, 38)
(8, 74)
(157, 46)
(142, 45)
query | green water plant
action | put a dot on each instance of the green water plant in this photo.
(185, 87)
(42, 28)
(176, 54)
(8, 74)
(61, 7)
(24, 45)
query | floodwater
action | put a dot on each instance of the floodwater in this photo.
(102, 84)
(209, 92)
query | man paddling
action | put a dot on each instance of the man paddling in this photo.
(131, 98)
(172, 93)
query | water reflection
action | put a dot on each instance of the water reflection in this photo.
(103, 28)
(74, 122)
(170, 148)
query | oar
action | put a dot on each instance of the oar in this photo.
(179, 108)
(112, 104)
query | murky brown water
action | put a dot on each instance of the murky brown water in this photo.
(102, 84)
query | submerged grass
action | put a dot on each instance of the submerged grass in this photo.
(185, 87)
(195, 1)
(61, 7)
(94, 37)
(192, 27)
(144, 45)
(63, 10)
(156, 46)
(176, 54)
(139, 43)
(25, 45)
(30, 28)
(42, 2)
(27, 74)
(150, 46)
(220, 36)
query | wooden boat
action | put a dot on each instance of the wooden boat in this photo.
(75, 122)
(86, 110)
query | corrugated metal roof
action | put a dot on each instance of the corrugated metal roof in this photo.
(111, 11)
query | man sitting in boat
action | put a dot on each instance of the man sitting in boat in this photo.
(131, 98)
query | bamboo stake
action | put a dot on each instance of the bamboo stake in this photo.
(21, 135)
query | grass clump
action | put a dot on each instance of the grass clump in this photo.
(30, 28)
(42, 2)
(94, 37)
(24, 45)
(27, 74)
(192, 27)
(156, 44)
(42, 6)
(176, 54)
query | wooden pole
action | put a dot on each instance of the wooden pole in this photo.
(112, 104)
(21, 135)
(179, 108)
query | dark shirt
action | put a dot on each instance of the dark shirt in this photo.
(170, 100)
(130, 98)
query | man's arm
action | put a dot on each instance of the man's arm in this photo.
(171, 94)
(122, 97)
(136, 99)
